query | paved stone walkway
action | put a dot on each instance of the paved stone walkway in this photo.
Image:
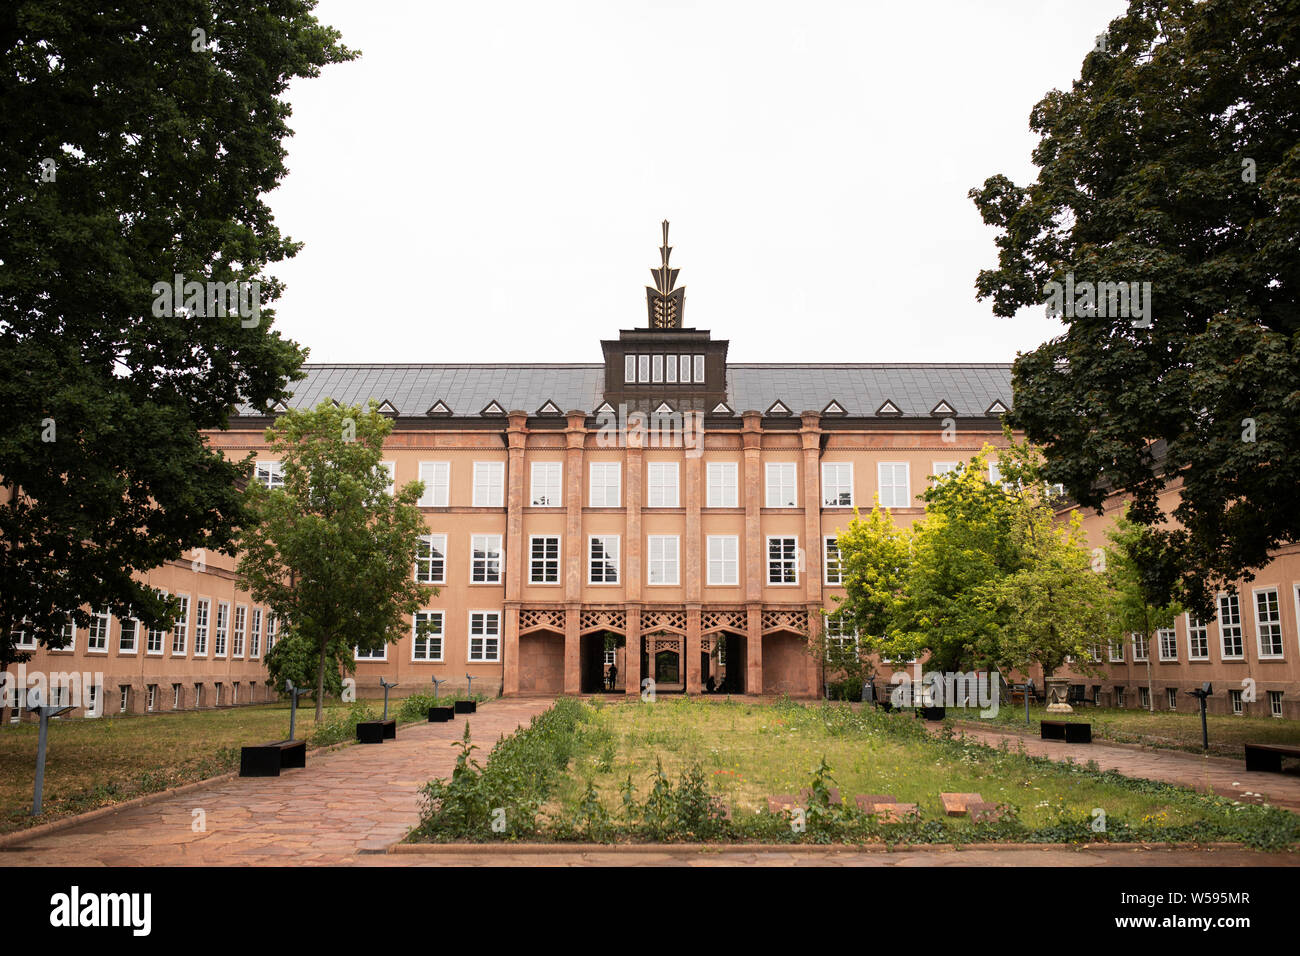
(345, 805)
(1218, 775)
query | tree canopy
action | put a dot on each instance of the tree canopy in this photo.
(1173, 161)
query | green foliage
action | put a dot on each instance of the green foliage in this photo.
(163, 158)
(1172, 160)
(340, 725)
(332, 551)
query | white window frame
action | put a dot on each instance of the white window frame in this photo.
(1166, 640)
(377, 655)
(606, 561)
(483, 638)
(941, 468)
(181, 629)
(545, 559)
(176, 697)
(662, 485)
(546, 484)
(436, 478)
(123, 698)
(202, 621)
(391, 468)
(134, 636)
(781, 479)
(835, 484)
(891, 500)
(1275, 703)
(782, 564)
(255, 616)
(440, 637)
(1274, 624)
(1171, 698)
(1236, 630)
(699, 368)
(604, 469)
(269, 473)
(153, 635)
(1141, 649)
(221, 631)
(830, 544)
(643, 368)
(723, 558)
(1112, 647)
(152, 701)
(629, 368)
(657, 368)
(438, 543)
(239, 632)
(489, 484)
(101, 621)
(23, 638)
(487, 549)
(660, 565)
(1235, 706)
(722, 483)
(1197, 630)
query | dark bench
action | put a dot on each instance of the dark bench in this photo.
(1268, 757)
(931, 713)
(466, 707)
(438, 715)
(376, 731)
(1072, 732)
(1077, 694)
(268, 760)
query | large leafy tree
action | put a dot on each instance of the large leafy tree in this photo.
(332, 552)
(1174, 159)
(138, 141)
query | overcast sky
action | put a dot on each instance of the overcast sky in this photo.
(486, 182)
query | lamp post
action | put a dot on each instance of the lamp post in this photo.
(294, 694)
(387, 687)
(437, 694)
(36, 704)
(1203, 695)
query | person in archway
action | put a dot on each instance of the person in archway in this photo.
(613, 675)
(709, 685)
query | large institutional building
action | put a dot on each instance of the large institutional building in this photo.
(662, 511)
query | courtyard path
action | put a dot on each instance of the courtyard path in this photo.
(1223, 776)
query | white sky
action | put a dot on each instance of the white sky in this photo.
(486, 182)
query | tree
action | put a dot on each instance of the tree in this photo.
(1136, 570)
(131, 154)
(1172, 160)
(332, 552)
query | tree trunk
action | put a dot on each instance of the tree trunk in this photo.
(320, 682)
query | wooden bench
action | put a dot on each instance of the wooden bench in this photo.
(376, 731)
(466, 707)
(267, 760)
(1072, 732)
(1268, 757)
(438, 715)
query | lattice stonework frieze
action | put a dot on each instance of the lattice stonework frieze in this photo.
(793, 619)
(534, 619)
(722, 621)
(671, 620)
(608, 618)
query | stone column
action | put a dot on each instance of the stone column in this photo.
(694, 581)
(633, 469)
(810, 433)
(754, 649)
(575, 438)
(694, 679)
(751, 439)
(572, 646)
(516, 438)
(632, 662)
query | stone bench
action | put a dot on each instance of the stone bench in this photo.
(886, 809)
(439, 715)
(1072, 732)
(267, 760)
(806, 795)
(957, 804)
(1268, 757)
(376, 731)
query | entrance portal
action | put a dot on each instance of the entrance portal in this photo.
(663, 660)
(722, 657)
(599, 653)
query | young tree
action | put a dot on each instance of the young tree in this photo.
(138, 143)
(1171, 161)
(332, 552)
(1138, 574)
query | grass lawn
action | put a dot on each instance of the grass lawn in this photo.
(93, 763)
(1172, 730)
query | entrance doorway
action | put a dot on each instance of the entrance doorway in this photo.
(599, 652)
(663, 659)
(722, 657)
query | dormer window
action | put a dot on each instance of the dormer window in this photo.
(669, 369)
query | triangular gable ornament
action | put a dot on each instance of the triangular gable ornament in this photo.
(997, 408)
(387, 408)
(549, 408)
(777, 408)
(438, 409)
(492, 408)
(943, 408)
(722, 408)
(664, 409)
(834, 408)
(889, 408)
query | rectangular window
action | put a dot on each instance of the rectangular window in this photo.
(661, 565)
(1144, 698)
(724, 559)
(1171, 697)
(662, 482)
(1230, 627)
(643, 368)
(391, 468)
(176, 696)
(216, 695)
(373, 654)
(97, 636)
(1275, 703)
(629, 368)
(605, 483)
(240, 631)
(23, 638)
(547, 486)
(436, 478)
(485, 559)
(837, 484)
(942, 468)
(1139, 647)
(270, 474)
(699, 368)
(781, 491)
(685, 362)
(154, 636)
(202, 611)
(834, 570)
(1119, 696)
(1268, 623)
(223, 625)
(1117, 652)
(895, 490)
(782, 560)
(153, 697)
(181, 629)
(129, 637)
(270, 630)
(670, 369)
(426, 636)
(123, 698)
(1168, 643)
(839, 636)
(484, 636)
(255, 634)
(430, 562)
(489, 484)
(602, 566)
(234, 693)
(544, 559)
(1234, 697)
(198, 695)
(1198, 639)
(722, 485)
(656, 368)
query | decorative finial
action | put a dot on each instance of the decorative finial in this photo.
(664, 302)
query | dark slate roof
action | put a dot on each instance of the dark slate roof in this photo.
(467, 389)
